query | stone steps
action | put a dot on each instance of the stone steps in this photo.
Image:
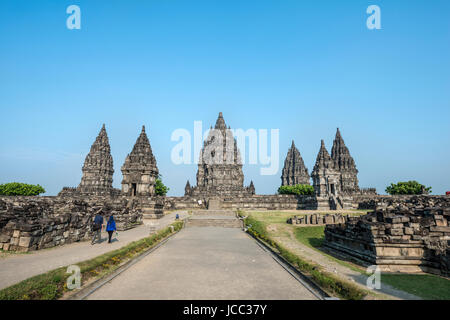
(214, 213)
(213, 221)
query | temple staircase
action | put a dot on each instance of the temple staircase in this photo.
(214, 218)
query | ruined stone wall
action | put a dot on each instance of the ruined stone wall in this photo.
(182, 203)
(400, 201)
(33, 223)
(405, 236)
(255, 202)
(318, 219)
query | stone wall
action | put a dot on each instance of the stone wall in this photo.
(255, 202)
(405, 236)
(400, 201)
(33, 223)
(318, 219)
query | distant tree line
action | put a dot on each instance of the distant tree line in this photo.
(20, 189)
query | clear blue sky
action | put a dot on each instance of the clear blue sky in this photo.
(305, 67)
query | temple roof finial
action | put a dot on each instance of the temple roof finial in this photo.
(220, 123)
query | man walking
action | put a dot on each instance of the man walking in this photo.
(97, 228)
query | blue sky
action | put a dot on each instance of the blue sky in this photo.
(304, 67)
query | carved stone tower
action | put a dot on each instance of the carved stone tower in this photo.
(294, 171)
(98, 168)
(139, 170)
(220, 167)
(344, 163)
(326, 180)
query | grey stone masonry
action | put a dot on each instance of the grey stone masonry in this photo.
(294, 170)
(344, 163)
(220, 166)
(34, 223)
(98, 168)
(317, 219)
(398, 237)
(326, 179)
(139, 170)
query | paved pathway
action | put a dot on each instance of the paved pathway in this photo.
(205, 263)
(17, 267)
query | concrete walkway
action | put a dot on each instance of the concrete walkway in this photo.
(210, 263)
(17, 267)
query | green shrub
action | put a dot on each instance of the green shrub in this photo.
(20, 189)
(160, 188)
(298, 189)
(410, 187)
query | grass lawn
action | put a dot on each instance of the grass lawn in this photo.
(310, 236)
(426, 286)
(313, 237)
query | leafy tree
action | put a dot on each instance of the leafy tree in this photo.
(409, 187)
(160, 188)
(20, 189)
(298, 189)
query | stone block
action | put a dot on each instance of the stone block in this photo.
(395, 232)
(25, 242)
(16, 234)
(441, 223)
(409, 231)
(4, 238)
(439, 229)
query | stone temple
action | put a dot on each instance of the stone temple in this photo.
(335, 175)
(344, 163)
(98, 168)
(294, 170)
(139, 170)
(326, 179)
(220, 167)
(404, 233)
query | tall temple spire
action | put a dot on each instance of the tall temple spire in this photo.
(139, 169)
(323, 159)
(187, 189)
(294, 170)
(325, 177)
(344, 163)
(220, 166)
(98, 167)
